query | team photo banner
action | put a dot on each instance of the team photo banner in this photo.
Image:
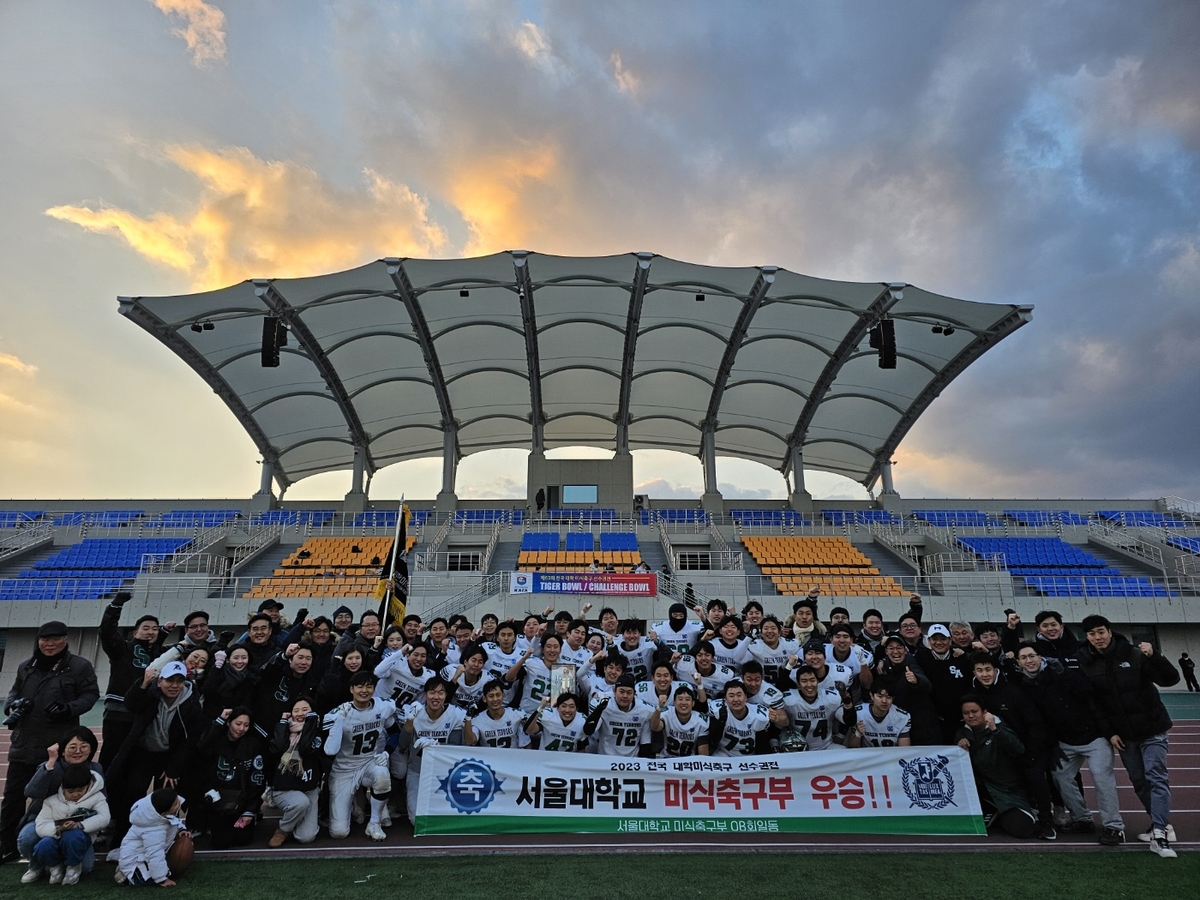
(896, 790)
(644, 585)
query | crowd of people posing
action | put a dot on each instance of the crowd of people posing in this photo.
(326, 719)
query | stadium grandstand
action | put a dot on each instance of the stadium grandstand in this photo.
(403, 359)
(406, 358)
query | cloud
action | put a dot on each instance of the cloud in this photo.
(626, 80)
(203, 30)
(264, 218)
(16, 364)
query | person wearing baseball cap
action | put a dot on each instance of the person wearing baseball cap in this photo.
(168, 724)
(949, 675)
(53, 688)
(907, 683)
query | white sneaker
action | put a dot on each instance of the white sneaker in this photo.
(375, 832)
(1146, 836)
(56, 874)
(1160, 845)
(119, 877)
(72, 875)
(32, 874)
(385, 819)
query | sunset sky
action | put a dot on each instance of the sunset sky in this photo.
(1043, 153)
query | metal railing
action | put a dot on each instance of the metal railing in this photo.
(260, 538)
(1119, 539)
(718, 538)
(184, 564)
(961, 562)
(668, 550)
(486, 562)
(1189, 508)
(449, 561)
(699, 560)
(19, 540)
(488, 586)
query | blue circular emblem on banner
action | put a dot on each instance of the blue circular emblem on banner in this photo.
(470, 785)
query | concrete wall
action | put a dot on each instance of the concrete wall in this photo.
(613, 479)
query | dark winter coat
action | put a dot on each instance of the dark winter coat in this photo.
(1008, 702)
(187, 726)
(1063, 698)
(949, 678)
(310, 746)
(225, 688)
(1126, 701)
(914, 699)
(66, 683)
(127, 659)
(279, 687)
(234, 769)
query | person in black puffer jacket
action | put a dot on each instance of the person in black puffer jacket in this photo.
(1063, 697)
(911, 690)
(1007, 702)
(1131, 715)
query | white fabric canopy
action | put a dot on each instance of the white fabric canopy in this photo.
(549, 351)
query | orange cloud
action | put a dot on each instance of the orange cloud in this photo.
(266, 218)
(488, 193)
(8, 361)
(203, 31)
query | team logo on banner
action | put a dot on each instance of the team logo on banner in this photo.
(470, 785)
(928, 782)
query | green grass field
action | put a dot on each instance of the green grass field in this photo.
(1058, 876)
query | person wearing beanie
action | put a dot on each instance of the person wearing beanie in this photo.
(677, 634)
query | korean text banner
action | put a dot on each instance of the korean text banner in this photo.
(895, 790)
(641, 585)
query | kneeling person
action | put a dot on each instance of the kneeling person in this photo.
(357, 734)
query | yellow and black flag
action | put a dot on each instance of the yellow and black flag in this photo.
(392, 591)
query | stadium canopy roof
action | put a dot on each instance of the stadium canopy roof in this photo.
(403, 358)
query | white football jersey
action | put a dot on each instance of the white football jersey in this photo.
(503, 732)
(356, 735)
(621, 731)
(772, 659)
(399, 682)
(498, 665)
(731, 656)
(466, 696)
(767, 695)
(639, 658)
(852, 662)
(682, 738)
(815, 720)
(714, 682)
(836, 672)
(739, 737)
(535, 686)
(647, 692)
(678, 641)
(884, 732)
(558, 736)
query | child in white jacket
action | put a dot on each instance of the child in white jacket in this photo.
(154, 824)
(65, 826)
